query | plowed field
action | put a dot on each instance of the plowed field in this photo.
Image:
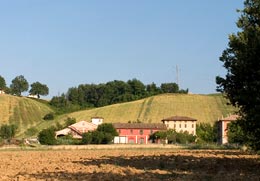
(134, 164)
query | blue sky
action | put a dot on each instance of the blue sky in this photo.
(64, 43)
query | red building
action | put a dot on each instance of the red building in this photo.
(136, 133)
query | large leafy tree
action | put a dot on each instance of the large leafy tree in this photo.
(241, 84)
(2, 83)
(19, 85)
(39, 89)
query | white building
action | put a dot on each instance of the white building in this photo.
(97, 120)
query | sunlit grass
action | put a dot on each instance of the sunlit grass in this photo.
(205, 108)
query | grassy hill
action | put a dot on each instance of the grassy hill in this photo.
(28, 113)
(22, 111)
(205, 108)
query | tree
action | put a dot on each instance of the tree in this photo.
(2, 83)
(104, 134)
(235, 133)
(87, 138)
(47, 136)
(39, 89)
(152, 89)
(241, 59)
(170, 88)
(8, 131)
(70, 121)
(19, 85)
(137, 88)
(206, 132)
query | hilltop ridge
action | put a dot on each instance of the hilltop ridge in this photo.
(204, 108)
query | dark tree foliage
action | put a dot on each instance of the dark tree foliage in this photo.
(87, 138)
(113, 92)
(241, 84)
(2, 83)
(207, 133)
(152, 89)
(170, 88)
(39, 89)
(69, 121)
(107, 128)
(19, 85)
(47, 136)
(137, 88)
(173, 137)
(8, 131)
(104, 134)
(235, 133)
(49, 116)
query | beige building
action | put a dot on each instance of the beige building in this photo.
(181, 124)
(77, 129)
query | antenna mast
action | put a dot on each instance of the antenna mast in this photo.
(177, 75)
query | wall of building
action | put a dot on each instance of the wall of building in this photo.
(134, 136)
(189, 126)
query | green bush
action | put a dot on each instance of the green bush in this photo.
(69, 121)
(31, 132)
(173, 137)
(67, 140)
(47, 137)
(206, 133)
(104, 134)
(87, 138)
(49, 116)
(8, 131)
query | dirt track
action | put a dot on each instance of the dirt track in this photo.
(134, 164)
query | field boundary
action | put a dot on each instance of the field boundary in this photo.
(93, 147)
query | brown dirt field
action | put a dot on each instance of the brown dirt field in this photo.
(129, 164)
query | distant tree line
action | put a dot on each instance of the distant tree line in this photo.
(98, 95)
(20, 84)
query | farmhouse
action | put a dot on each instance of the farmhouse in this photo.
(181, 124)
(136, 133)
(77, 129)
(223, 128)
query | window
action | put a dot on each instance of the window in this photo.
(119, 131)
(141, 132)
(151, 131)
(174, 126)
(192, 125)
(180, 125)
(185, 125)
(131, 131)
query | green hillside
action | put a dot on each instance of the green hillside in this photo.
(205, 108)
(22, 111)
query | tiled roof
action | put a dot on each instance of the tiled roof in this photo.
(179, 118)
(159, 126)
(230, 118)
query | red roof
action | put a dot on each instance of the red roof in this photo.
(158, 126)
(179, 118)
